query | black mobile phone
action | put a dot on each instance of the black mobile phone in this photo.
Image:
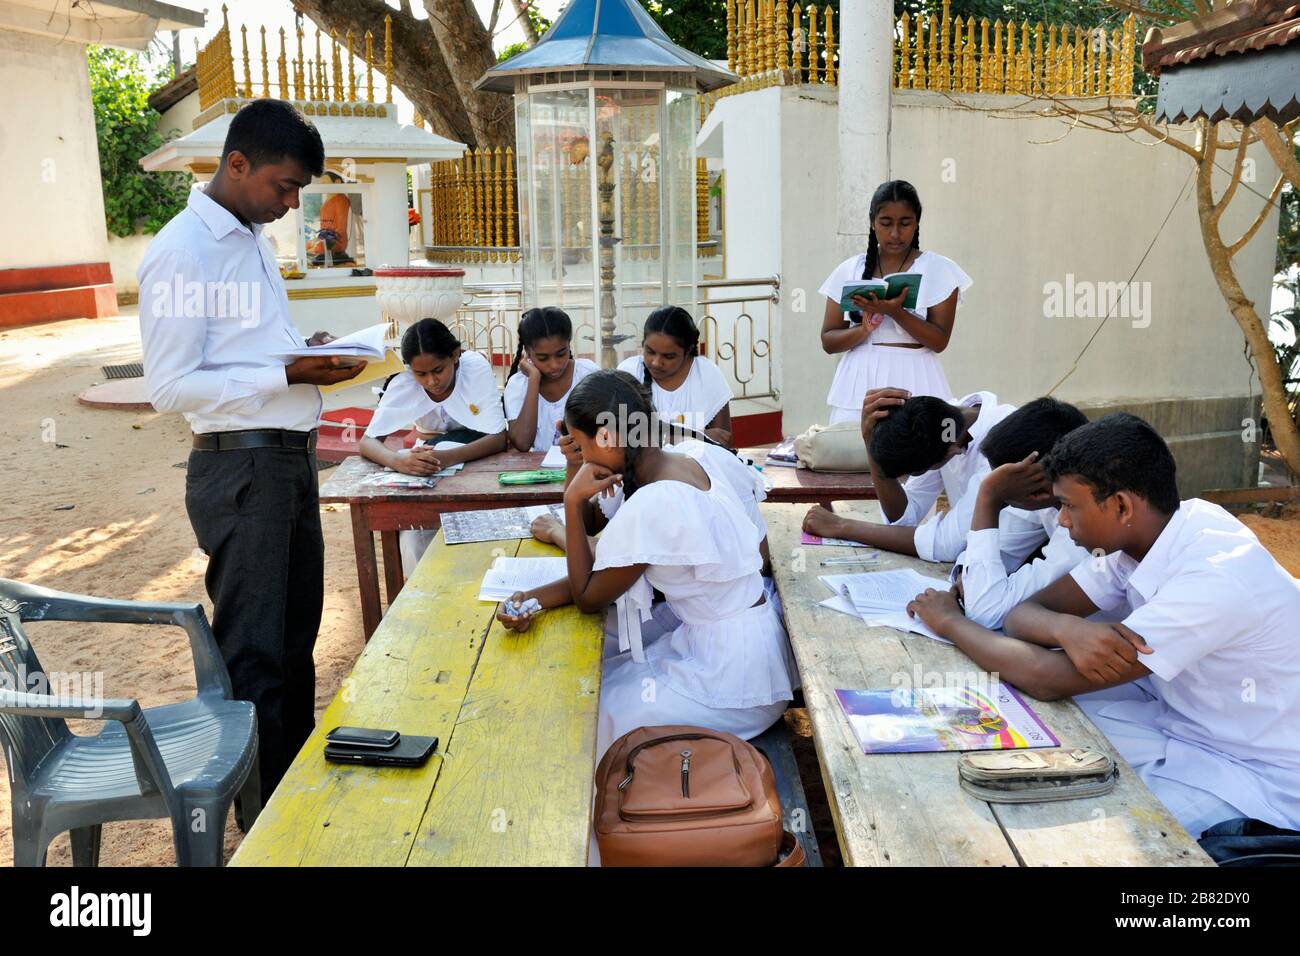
(363, 737)
(411, 752)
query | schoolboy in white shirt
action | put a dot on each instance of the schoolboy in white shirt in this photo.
(938, 445)
(1200, 683)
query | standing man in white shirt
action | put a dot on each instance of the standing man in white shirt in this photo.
(1199, 686)
(937, 444)
(213, 317)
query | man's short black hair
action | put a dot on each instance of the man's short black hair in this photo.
(1034, 426)
(268, 131)
(1120, 452)
(915, 436)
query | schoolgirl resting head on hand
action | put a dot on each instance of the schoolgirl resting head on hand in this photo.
(446, 393)
(544, 372)
(686, 387)
(683, 530)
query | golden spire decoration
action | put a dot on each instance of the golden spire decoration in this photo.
(388, 58)
(370, 67)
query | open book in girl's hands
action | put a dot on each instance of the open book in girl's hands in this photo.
(890, 287)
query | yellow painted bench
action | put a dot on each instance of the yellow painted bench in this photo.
(515, 715)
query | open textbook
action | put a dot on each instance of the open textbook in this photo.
(890, 287)
(880, 598)
(364, 346)
(508, 575)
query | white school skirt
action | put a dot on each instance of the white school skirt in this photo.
(883, 366)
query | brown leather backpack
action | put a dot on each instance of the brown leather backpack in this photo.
(689, 796)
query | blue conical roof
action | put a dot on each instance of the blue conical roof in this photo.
(604, 35)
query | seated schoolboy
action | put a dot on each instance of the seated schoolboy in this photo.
(1200, 683)
(1014, 514)
(938, 445)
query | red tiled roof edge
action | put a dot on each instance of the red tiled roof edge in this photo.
(1247, 25)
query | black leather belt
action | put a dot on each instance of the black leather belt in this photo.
(256, 438)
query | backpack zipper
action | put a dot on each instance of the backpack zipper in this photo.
(686, 773)
(656, 740)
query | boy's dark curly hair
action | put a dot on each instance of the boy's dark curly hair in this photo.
(915, 436)
(1119, 452)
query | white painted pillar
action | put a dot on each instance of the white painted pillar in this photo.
(866, 91)
(388, 236)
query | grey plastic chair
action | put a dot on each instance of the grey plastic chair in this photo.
(186, 761)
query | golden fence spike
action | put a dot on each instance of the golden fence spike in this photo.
(370, 67)
(1037, 67)
(829, 33)
(797, 43)
(498, 227)
(986, 65)
(283, 64)
(388, 58)
(1081, 46)
(248, 73)
(814, 57)
(933, 70)
(783, 38)
(512, 239)
(731, 35)
(336, 64)
(970, 74)
(945, 51)
(298, 91)
(352, 70)
(320, 78)
(1009, 67)
(904, 58)
(266, 72)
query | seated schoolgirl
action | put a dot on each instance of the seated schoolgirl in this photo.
(544, 372)
(1198, 687)
(685, 386)
(681, 529)
(447, 393)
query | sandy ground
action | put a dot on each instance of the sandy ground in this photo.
(128, 536)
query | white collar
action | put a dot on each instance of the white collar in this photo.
(1153, 569)
(219, 220)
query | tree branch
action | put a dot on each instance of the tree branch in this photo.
(1217, 210)
(1249, 234)
(1282, 152)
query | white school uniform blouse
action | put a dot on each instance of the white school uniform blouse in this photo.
(701, 548)
(1223, 618)
(994, 580)
(474, 402)
(865, 367)
(213, 314)
(548, 412)
(696, 401)
(942, 537)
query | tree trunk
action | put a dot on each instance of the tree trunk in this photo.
(467, 50)
(521, 10)
(1286, 434)
(420, 69)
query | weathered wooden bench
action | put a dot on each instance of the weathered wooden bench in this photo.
(777, 744)
(511, 782)
(908, 809)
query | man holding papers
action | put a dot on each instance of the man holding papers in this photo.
(250, 486)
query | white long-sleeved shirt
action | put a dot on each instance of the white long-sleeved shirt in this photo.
(994, 578)
(213, 315)
(941, 537)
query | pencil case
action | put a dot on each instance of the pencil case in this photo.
(1032, 776)
(535, 476)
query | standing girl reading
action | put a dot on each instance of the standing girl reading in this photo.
(541, 378)
(885, 345)
(687, 389)
(448, 394)
(681, 529)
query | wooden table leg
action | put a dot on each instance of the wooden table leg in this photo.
(393, 576)
(363, 543)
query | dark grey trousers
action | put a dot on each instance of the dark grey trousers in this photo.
(256, 514)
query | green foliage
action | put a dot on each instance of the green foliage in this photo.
(511, 50)
(126, 128)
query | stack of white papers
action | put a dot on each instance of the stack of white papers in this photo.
(554, 458)
(366, 345)
(880, 598)
(508, 575)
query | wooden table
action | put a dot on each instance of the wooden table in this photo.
(511, 782)
(389, 510)
(908, 809)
